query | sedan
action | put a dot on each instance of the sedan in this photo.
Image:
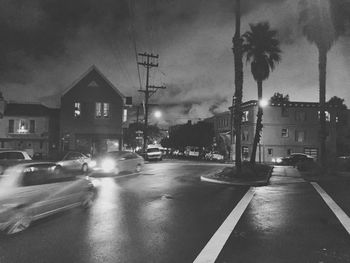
(74, 162)
(294, 158)
(34, 190)
(116, 162)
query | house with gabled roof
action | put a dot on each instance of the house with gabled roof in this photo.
(92, 114)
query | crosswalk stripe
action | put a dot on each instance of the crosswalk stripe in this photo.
(339, 213)
(212, 249)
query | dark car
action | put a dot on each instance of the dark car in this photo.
(30, 191)
(295, 158)
(12, 157)
(115, 162)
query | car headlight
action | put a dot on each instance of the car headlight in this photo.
(278, 160)
(108, 164)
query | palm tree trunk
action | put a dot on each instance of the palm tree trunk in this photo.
(322, 65)
(237, 50)
(258, 127)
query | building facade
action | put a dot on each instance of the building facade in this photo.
(92, 115)
(30, 127)
(288, 127)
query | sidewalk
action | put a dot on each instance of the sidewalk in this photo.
(285, 175)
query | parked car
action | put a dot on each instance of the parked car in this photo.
(12, 157)
(294, 158)
(214, 156)
(74, 162)
(116, 162)
(34, 190)
(154, 154)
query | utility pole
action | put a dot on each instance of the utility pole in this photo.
(148, 61)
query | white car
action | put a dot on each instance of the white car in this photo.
(30, 191)
(74, 162)
(154, 154)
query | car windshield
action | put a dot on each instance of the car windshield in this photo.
(152, 150)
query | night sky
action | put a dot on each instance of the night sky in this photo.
(47, 44)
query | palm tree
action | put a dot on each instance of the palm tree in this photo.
(318, 28)
(237, 101)
(261, 48)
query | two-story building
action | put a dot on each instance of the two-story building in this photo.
(92, 114)
(28, 126)
(288, 127)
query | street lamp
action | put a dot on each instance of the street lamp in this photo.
(157, 114)
(263, 103)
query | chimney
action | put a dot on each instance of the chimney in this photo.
(2, 105)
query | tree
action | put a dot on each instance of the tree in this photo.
(237, 101)
(338, 102)
(261, 48)
(278, 98)
(321, 29)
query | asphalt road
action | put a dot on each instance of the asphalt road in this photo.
(166, 214)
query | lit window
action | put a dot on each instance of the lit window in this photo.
(98, 110)
(102, 110)
(328, 116)
(23, 126)
(299, 136)
(77, 109)
(105, 110)
(125, 115)
(245, 116)
(285, 132)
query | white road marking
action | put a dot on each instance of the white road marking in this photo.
(213, 248)
(339, 213)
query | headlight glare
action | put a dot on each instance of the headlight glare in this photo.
(108, 164)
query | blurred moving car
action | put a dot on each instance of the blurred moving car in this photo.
(12, 157)
(294, 158)
(154, 154)
(74, 162)
(214, 156)
(30, 191)
(116, 162)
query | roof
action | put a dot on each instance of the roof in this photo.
(26, 109)
(91, 69)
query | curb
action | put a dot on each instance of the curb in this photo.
(242, 183)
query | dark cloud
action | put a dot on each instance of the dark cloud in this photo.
(47, 44)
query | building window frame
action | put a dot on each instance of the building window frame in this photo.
(102, 110)
(77, 109)
(245, 116)
(285, 133)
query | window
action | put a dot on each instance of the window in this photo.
(245, 136)
(11, 126)
(328, 116)
(285, 132)
(77, 109)
(102, 110)
(23, 126)
(311, 151)
(32, 126)
(125, 115)
(284, 111)
(269, 151)
(105, 110)
(289, 151)
(299, 136)
(300, 115)
(245, 116)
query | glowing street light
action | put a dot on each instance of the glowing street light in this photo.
(263, 103)
(157, 114)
